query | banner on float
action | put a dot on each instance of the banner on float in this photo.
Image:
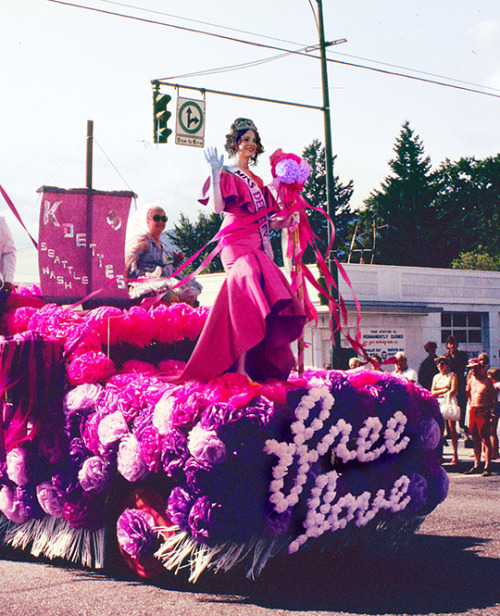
(81, 244)
(384, 342)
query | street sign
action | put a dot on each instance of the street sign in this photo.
(190, 122)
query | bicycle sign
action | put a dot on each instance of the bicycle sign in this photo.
(190, 122)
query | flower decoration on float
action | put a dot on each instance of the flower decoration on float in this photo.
(290, 173)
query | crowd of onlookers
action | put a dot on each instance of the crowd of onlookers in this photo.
(468, 392)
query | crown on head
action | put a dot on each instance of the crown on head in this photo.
(244, 124)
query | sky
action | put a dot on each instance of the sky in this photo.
(63, 65)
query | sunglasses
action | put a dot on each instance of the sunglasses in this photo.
(157, 218)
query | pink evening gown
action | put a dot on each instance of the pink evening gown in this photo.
(256, 312)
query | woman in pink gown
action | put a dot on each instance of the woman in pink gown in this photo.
(256, 315)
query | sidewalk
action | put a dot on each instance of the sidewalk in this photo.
(465, 460)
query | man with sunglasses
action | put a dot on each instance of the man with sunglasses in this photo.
(149, 257)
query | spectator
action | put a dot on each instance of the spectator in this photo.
(444, 388)
(402, 370)
(428, 368)
(148, 257)
(494, 374)
(482, 396)
(354, 363)
(7, 263)
(376, 363)
(458, 364)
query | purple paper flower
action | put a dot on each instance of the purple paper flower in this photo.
(200, 476)
(130, 461)
(429, 433)
(418, 492)
(174, 454)
(65, 478)
(84, 510)
(94, 476)
(207, 521)
(11, 507)
(50, 499)
(77, 451)
(19, 504)
(135, 534)
(179, 505)
(205, 446)
(90, 435)
(151, 448)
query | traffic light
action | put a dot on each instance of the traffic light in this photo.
(161, 116)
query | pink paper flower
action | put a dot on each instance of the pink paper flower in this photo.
(107, 322)
(137, 327)
(140, 367)
(91, 367)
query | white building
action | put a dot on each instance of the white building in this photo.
(402, 308)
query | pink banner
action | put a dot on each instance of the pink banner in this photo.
(82, 242)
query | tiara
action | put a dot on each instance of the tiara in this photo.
(244, 124)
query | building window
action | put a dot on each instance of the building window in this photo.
(465, 326)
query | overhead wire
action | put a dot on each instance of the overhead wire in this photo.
(281, 40)
(300, 51)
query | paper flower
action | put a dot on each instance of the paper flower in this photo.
(91, 367)
(50, 499)
(130, 462)
(94, 476)
(135, 534)
(205, 446)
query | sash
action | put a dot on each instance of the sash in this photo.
(260, 204)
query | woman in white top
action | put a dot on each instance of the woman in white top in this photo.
(444, 388)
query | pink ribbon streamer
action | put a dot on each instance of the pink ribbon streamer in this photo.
(17, 215)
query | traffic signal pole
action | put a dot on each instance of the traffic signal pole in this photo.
(335, 351)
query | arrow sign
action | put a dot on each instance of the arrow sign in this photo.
(190, 122)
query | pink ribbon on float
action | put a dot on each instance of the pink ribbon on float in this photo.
(233, 232)
(337, 309)
(17, 215)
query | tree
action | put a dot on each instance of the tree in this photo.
(477, 260)
(467, 204)
(404, 207)
(191, 237)
(315, 194)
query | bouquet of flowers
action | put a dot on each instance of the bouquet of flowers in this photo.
(290, 173)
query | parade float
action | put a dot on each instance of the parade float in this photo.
(102, 450)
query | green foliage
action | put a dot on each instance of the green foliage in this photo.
(315, 194)
(477, 260)
(191, 237)
(403, 209)
(468, 207)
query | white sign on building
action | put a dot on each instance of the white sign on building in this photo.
(383, 342)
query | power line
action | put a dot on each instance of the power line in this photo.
(265, 46)
(281, 40)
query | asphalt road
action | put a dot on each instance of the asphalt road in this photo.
(451, 566)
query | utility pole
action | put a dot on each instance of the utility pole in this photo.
(330, 180)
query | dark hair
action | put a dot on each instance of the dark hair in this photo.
(238, 128)
(442, 360)
(429, 344)
(451, 339)
(494, 373)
